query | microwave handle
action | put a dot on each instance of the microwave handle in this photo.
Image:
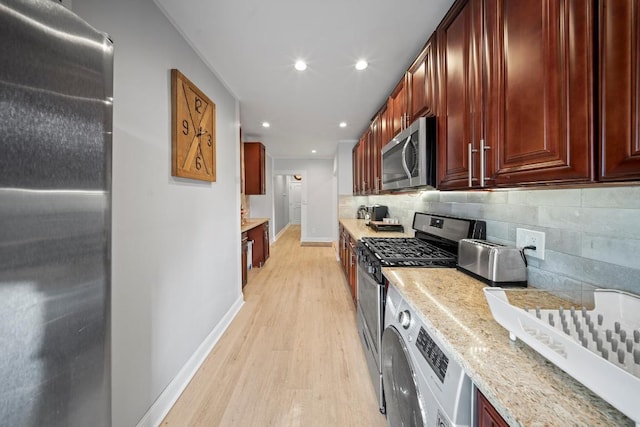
(404, 158)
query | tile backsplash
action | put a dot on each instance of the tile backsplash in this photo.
(592, 234)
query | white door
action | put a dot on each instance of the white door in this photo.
(295, 202)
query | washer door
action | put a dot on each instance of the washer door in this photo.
(398, 381)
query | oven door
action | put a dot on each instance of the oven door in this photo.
(371, 305)
(370, 320)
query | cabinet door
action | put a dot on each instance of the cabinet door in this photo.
(342, 247)
(354, 170)
(367, 164)
(460, 94)
(266, 248)
(421, 79)
(487, 416)
(398, 108)
(362, 155)
(538, 94)
(353, 270)
(619, 88)
(254, 168)
(244, 261)
(375, 148)
(257, 251)
(384, 128)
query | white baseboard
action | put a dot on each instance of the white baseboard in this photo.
(172, 392)
(281, 232)
(317, 240)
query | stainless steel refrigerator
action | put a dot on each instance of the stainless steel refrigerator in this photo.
(55, 205)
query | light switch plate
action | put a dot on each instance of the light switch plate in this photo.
(526, 237)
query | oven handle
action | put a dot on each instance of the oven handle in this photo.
(404, 158)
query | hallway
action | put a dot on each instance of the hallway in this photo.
(291, 357)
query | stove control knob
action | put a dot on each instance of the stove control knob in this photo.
(405, 319)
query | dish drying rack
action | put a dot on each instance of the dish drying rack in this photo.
(597, 343)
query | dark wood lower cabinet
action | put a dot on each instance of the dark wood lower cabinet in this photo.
(349, 260)
(486, 414)
(245, 251)
(260, 237)
(266, 248)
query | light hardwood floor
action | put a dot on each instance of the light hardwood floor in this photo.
(291, 357)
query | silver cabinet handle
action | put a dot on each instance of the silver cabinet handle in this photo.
(483, 165)
(471, 151)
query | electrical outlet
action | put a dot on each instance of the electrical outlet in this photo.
(526, 237)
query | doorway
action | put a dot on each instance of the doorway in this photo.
(295, 202)
(286, 210)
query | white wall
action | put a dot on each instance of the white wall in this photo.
(174, 240)
(280, 202)
(319, 196)
(344, 160)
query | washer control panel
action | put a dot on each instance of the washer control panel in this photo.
(432, 353)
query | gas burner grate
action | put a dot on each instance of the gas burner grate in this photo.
(409, 252)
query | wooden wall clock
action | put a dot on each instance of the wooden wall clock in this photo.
(193, 130)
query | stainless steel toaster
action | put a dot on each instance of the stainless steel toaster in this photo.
(492, 263)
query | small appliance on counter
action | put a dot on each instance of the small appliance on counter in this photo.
(492, 263)
(385, 225)
(362, 212)
(377, 212)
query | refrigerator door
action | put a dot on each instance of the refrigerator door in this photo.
(55, 206)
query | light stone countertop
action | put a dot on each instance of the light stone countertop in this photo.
(525, 388)
(358, 229)
(252, 223)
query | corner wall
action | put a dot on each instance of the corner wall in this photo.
(176, 242)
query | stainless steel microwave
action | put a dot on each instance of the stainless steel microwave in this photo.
(409, 159)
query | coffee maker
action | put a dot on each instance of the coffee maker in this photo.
(377, 212)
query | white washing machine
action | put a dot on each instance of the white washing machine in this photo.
(423, 386)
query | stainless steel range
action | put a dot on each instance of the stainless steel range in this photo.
(435, 245)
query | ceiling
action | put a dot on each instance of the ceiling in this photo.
(252, 45)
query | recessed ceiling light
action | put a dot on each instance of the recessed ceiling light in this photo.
(313, 151)
(300, 65)
(361, 65)
(343, 124)
(265, 124)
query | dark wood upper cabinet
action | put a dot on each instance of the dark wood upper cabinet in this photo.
(375, 155)
(355, 170)
(526, 92)
(366, 162)
(538, 93)
(361, 173)
(254, 168)
(619, 90)
(421, 80)
(459, 108)
(397, 107)
(516, 93)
